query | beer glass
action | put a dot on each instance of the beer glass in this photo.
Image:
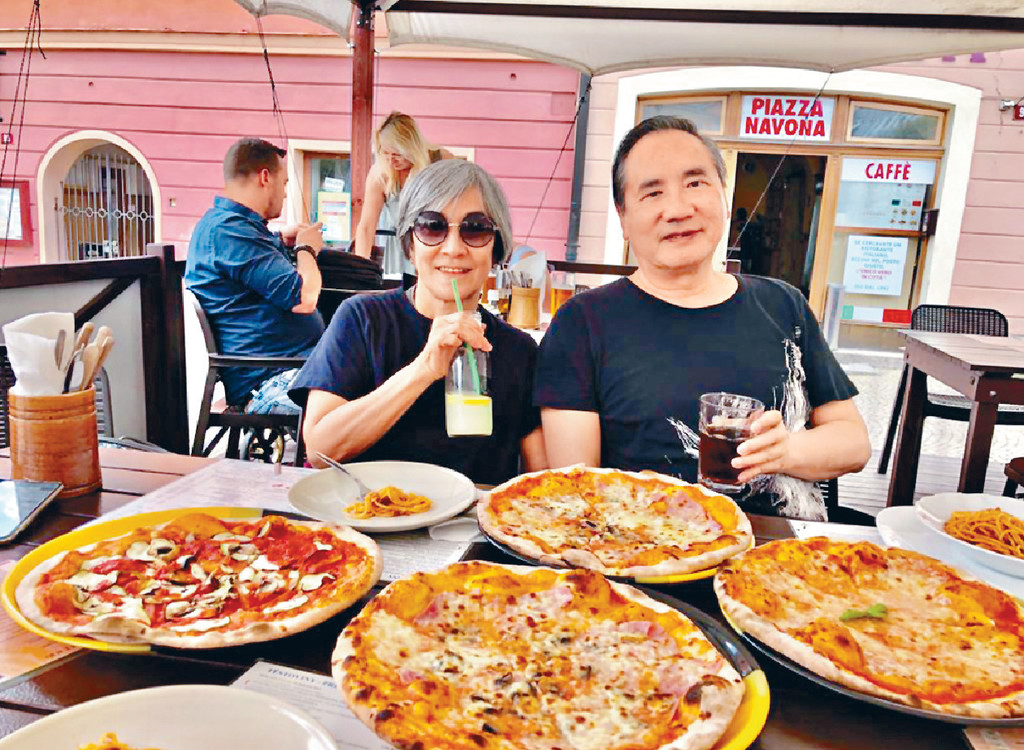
(562, 287)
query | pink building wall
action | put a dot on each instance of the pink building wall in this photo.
(182, 109)
(989, 270)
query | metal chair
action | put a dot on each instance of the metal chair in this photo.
(950, 319)
(265, 432)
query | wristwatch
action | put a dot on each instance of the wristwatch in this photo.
(303, 248)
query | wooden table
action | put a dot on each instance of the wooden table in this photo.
(982, 368)
(802, 715)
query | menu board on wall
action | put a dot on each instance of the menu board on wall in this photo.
(332, 209)
(883, 193)
(874, 265)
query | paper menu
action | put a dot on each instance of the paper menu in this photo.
(245, 484)
(839, 531)
(995, 739)
(316, 694)
(22, 652)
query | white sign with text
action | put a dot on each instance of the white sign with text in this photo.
(874, 265)
(786, 118)
(874, 169)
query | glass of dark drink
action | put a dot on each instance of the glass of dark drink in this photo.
(725, 420)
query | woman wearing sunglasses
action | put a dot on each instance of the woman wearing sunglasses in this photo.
(374, 386)
(401, 152)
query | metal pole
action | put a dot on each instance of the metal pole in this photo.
(572, 241)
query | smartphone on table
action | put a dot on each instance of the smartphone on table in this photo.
(21, 501)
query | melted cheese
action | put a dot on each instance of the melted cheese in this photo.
(943, 638)
(579, 676)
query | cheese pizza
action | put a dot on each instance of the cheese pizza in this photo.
(481, 655)
(201, 582)
(616, 522)
(888, 622)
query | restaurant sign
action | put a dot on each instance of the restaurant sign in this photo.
(786, 118)
(875, 169)
(874, 265)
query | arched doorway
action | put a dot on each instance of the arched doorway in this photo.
(98, 198)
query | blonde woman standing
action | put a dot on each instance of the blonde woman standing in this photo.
(400, 152)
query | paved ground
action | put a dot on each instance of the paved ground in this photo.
(877, 376)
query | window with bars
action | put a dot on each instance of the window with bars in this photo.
(105, 206)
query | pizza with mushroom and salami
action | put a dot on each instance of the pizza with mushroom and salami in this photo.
(616, 522)
(481, 655)
(202, 582)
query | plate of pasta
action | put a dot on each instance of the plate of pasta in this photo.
(403, 495)
(196, 717)
(988, 529)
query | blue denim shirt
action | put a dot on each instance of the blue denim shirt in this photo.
(241, 275)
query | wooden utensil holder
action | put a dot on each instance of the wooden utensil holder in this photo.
(53, 439)
(524, 310)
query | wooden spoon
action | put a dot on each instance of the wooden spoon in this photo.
(90, 358)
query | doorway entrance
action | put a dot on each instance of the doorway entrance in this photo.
(775, 215)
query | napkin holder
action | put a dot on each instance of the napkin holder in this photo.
(54, 439)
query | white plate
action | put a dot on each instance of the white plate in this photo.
(900, 527)
(326, 494)
(177, 717)
(935, 510)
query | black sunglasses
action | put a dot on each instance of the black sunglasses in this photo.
(431, 228)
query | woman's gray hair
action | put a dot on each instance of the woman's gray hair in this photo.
(436, 186)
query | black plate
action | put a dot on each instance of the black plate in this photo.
(721, 636)
(531, 561)
(922, 713)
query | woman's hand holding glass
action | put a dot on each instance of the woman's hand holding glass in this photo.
(447, 334)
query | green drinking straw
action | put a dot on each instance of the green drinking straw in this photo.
(469, 349)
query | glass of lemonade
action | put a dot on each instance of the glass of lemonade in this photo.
(467, 411)
(725, 420)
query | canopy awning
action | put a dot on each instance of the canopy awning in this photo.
(612, 35)
(601, 36)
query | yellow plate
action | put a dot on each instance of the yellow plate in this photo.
(97, 532)
(680, 577)
(750, 717)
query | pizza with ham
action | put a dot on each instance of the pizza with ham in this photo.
(481, 655)
(202, 582)
(887, 622)
(616, 522)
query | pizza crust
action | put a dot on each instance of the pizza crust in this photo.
(720, 699)
(126, 630)
(491, 525)
(750, 622)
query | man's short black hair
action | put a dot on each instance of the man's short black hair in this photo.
(654, 125)
(247, 156)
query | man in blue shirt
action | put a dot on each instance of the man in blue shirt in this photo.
(258, 302)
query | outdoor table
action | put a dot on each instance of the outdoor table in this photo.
(982, 368)
(802, 716)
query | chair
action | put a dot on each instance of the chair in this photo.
(950, 319)
(104, 417)
(1014, 472)
(345, 274)
(265, 431)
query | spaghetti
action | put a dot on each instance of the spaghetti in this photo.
(109, 742)
(389, 502)
(992, 529)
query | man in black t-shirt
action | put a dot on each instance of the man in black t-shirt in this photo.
(622, 368)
